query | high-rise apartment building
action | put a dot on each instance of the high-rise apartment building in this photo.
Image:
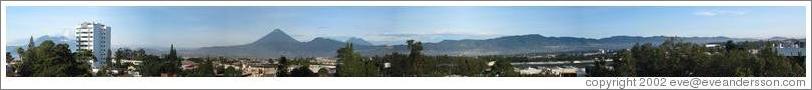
(95, 37)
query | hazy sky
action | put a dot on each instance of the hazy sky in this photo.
(218, 26)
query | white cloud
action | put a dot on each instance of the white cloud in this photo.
(719, 13)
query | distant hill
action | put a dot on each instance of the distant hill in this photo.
(534, 43)
(359, 41)
(278, 43)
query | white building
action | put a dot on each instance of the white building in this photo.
(95, 37)
(529, 70)
(712, 45)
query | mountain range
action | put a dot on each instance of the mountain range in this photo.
(274, 44)
(278, 43)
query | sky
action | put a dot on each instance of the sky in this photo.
(192, 27)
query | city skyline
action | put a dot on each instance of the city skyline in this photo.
(194, 26)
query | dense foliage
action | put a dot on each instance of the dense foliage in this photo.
(282, 67)
(302, 71)
(53, 60)
(680, 59)
(352, 64)
(153, 65)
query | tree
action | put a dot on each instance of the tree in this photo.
(502, 68)
(371, 68)
(102, 72)
(415, 56)
(108, 63)
(155, 66)
(323, 72)
(399, 64)
(232, 72)
(150, 66)
(52, 60)
(302, 71)
(479, 66)
(599, 69)
(85, 55)
(625, 64)
(118, 56)
(10, 69)
(9, 57)
(778, 66)
(26, 67)
(674, 58)
(140, 52)
(219, 70)
(282, 67)
(31, 42)
(350, 64)
(171, 65)
(729, 45)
